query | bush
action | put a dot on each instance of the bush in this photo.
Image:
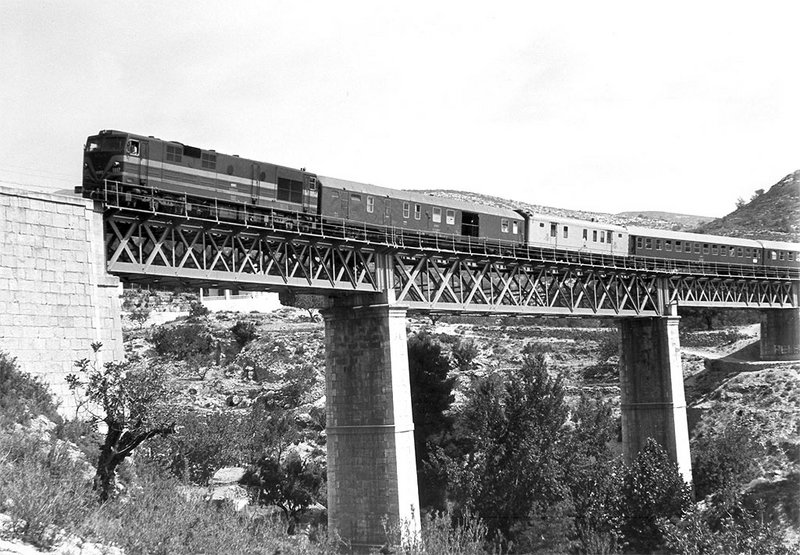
(198, 310)
(244, 332)
(43, 488)
(23, 396)
(183, 341)
(161, 518)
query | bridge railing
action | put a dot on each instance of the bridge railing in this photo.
(145, 199)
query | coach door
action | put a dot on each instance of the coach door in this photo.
(387, 212)
(345, 200)
(255, 182)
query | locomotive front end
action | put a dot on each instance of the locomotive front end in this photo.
(103, 161)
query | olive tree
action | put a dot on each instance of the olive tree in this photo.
(131, 399)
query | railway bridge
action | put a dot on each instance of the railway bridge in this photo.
(369, 280)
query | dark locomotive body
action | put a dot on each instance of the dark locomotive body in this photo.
(204, 183)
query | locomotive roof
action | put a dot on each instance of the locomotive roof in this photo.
(412, 196)
(697, 237)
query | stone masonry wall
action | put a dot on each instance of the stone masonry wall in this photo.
(55, 295)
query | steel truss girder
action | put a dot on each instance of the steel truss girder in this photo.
(179, 250)
(463, 284)
(731, 292)
(147, 249)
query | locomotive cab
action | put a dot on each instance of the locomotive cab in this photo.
(103, 159)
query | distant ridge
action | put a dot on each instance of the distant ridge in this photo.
(688, 221)
(771, 215)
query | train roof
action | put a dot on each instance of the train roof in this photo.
(575, 221)
(697, 237)
(421, 198)
(781, 245)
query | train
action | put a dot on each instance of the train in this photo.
(207, 183)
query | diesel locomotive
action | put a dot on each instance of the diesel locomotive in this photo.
(205, 183)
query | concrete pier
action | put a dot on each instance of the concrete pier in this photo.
(371, 464)
(780, 334)
(651, 384)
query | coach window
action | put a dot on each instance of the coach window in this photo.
(790, 256)
(638, 242)
(714, 250)
(732, 251)
(553, 230)
(609, 236)
(594, 235)
(648, 243)
(747, 253)
(739, 252)
(780, 255)
(504, 225)
(678, 246)
(602, 237)
(437, 214)
(723, 251)
(417, 211)
(658, 244)
(667, 245)
(355, 198)
(406, 210)
(585, 234)
(773, 255)
(566, 232)
(515, 228)
(370, 204)
(705, 248)
(697, 248)
(451, 217)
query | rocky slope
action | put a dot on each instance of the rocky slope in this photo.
(772, 215)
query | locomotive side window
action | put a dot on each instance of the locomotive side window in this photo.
(370, 204)
(208, 160)
(417, 211)
(132, 148)
(290, 190)
(451, 217)
(91, 146)
(174, 153)
(406, 210)
(437, 214)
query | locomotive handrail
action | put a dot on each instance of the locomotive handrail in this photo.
(143, 198)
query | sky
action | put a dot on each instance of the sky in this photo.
(602, 106)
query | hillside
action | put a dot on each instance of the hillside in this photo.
(772, 215)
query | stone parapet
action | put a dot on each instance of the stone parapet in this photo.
(56, 298)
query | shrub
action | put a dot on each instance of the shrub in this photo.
(160, 517)
(244, 332)
(198, 310)
(23, 396)
(43, 488)
(183, 341)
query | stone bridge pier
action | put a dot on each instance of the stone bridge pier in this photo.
(780, 334)
(372, 472)
(651, 389)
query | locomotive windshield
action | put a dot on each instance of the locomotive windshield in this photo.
(105, 144)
